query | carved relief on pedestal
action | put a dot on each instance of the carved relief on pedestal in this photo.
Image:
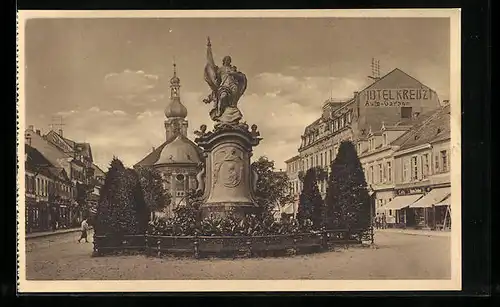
(228, 167)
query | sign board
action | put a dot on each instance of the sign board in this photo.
(397, 97)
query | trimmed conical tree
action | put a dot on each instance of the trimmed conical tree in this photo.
(310, 201)
(121, 203)
(347, 200)
(155, 196)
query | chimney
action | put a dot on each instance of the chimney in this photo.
(28, 139)
(31, 128)
(61, 132)
(356, 94)
(38, 131)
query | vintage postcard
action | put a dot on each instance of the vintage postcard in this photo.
(187, 151)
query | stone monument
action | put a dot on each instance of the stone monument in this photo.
(227, 181)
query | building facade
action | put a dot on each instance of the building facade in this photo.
(423, 173)
(372, 119)
(178, 159)
(48, 193)
(68, 166)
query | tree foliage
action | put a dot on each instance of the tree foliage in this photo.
(121, 208)
(155, 196)
(272, 186)
(347, 200)
(310, 201)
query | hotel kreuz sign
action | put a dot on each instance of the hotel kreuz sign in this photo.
(400, 97)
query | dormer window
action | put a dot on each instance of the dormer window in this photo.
(385, 139)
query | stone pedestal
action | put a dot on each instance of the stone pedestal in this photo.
(228, 183)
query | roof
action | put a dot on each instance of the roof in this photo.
(296, 157)
(59, 173)
(35, 158)
(435, 128)
(98, 172)
(36, 161)
(403, 80)
(84, 149)
(177, 150)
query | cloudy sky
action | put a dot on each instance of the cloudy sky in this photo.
(108, 78)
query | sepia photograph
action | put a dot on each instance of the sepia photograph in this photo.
(239, 150)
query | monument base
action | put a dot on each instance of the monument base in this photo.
(228, 181)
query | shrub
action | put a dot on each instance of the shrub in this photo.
(121, 204)
(310, 201)
(347, 200)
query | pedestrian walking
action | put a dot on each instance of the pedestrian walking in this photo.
(85, 228)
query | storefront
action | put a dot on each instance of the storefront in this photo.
(37, 216)
(393, 212)
(427, 214)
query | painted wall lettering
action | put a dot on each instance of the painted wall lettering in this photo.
(400, 97)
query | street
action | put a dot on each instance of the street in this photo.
(396, 256)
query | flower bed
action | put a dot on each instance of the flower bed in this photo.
(231, 246)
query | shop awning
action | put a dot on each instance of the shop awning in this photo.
(401, 202)
(288, 209)
(433, 197)
(444, 202)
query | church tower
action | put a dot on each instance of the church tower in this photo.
(175, 112)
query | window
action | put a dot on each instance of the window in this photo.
(342, 123)
(414, 168)
(436, 164)
(179, 193)
(336, 125)
(371, 174)
(425, 165)
(321, 159)
(349, 117)
(359, 147)
(444, 160)
(406, 112)
(316, 160)
(380, 175)
(405, 171)
(385, 174)
(331, 155)
(389, 172)
(385, 139)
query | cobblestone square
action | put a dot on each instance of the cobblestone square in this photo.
(397, 255)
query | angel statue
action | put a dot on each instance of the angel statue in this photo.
(227, 85)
